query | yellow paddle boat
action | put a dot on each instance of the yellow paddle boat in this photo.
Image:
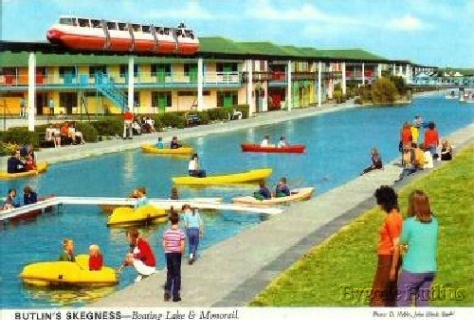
(65, 273)
(145, 214)
(183, 151)
(40, 168)
(299, 194)
(243, 177)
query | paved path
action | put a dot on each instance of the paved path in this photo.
(232, 272)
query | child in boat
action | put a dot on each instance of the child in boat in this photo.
(282, 189)
(10, 201)
(160, 144)
(263, 193)
(174, 194)
(174, 144)
(194, 167)
(30, 163)
(266, 141)
(29, 196)
(173, 244)
(96, 260)
(68, 252)
(142, 199)
(282, 143)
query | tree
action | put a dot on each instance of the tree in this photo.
(384, 91)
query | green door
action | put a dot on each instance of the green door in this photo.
(226, 68)
(162, 102)
(228, 100)
(161, 73)
(193, 73)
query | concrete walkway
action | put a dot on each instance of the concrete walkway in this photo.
(232, 272)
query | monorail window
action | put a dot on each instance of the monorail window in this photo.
(189, 34)
(146, 29)
(66, 21)
(167, 31)
(136, 27)
(122, 26)
(111, 25)
(96, 23)
(84, 23)
(160, 31)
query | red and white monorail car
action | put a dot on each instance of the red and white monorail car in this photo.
(96, 34)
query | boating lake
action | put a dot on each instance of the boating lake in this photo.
(338, 147)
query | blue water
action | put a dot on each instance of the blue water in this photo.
(338, 146)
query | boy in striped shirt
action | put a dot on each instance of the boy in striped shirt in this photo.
(173, 243)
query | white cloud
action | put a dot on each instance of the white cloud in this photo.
(262, 9)
(407, 23)
(192, 10)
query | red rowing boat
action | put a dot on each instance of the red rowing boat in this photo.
(294, 148)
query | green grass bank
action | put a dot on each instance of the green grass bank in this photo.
(339, 272)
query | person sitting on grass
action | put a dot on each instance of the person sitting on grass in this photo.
(96, 259)
(263, 193)
(160, 144)
(282, 189)
(376, 161)
(446, 151)
(14, 164)
(174, 144)
(29, 196)
(68, 252)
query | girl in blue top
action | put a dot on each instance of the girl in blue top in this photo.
(142, 199)
(194, 230)
(160, 144)
(420, 235)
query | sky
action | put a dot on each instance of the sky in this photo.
(428, 32)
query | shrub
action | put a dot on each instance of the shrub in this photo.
(20, 136)
(204, 116)
(89, 132)
(358, 101)
(158, 123)
(172, 119)
(244, 108)
(109, 127)
(384, 91)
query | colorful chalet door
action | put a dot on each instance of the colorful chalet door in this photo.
(160, 73)
(228, 99)
(193, 73)
(161, 102)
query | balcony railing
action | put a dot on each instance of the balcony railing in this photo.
(87, 80)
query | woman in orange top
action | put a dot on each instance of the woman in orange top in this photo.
(405, 134)
(384, 288)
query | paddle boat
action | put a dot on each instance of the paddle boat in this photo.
(295, 148)
(129, 216)
(149, 148)
(40, 168)
(243, 177)
(66, 273)
(165, 203)
(298, 194)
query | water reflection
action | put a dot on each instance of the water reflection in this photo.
(67, 297)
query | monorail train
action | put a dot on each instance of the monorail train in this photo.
(95, 34)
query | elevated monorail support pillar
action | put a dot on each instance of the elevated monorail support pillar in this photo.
(31, 90)
(250, 87)
(289, 93)
(200, 82)
(394, 69)
(363, 74)
(379, 70)
(343, 84)
(408, 78)
(131, 82)
(320, 87)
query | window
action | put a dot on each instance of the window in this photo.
(67, 70)
(160, 68)
(111, 25)
(67, 99)
(136, 99)
(96, 23)
(122, 26)
(226, 67)
(192, 93)
(66, 21)
(146, 29)
(97, 69)
(84, 23)
(161, 99)
(124, 70)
